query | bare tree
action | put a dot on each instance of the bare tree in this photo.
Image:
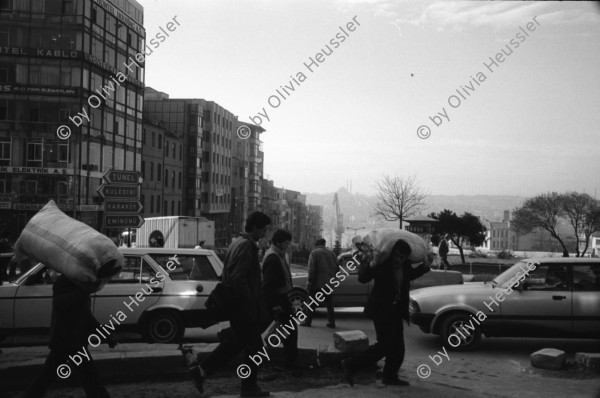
(542, 211)
(398, 198)
(575, 207)
(591, 222)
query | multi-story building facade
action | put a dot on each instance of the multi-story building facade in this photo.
(247, 160)
(162, 171)
(70, 109)
(218, 133)
(206, 130)
(182, 119)
(314, 225)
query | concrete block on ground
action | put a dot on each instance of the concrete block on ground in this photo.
(548, 358)
(588, 359)
(351, 341)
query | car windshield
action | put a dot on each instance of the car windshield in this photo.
(503, 279)
(186, 267)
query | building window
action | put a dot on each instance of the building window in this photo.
(143, 169)
(143, 136)
(179, 180)
(153, 138)
(151, 203)
(34, 153)
(166, 178)
(151, 171)
(180, 152)
(3, 109)
(158, 203)
(5, 153)
(158, 172)
(160, 141)
(174, 151)
(172, 179)
(63, 153)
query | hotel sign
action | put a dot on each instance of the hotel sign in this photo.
(40, 52)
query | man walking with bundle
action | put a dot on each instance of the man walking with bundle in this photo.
(322, 266)
(242, 274)
(387, 306)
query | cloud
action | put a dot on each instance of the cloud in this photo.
(463, 15)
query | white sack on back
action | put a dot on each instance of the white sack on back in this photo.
(68, 246)
(381, 242)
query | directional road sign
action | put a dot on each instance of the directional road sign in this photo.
(122, 177)
(118, 191)
(111, 206)
(124, 221)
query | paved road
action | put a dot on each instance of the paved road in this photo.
(499, 368)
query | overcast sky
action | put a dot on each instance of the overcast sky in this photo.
(527, 126)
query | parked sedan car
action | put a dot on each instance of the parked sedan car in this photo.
(171, 287)
(352, 293)
(545, 297)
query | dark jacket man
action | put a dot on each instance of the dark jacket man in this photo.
(250, 317)
(322, 266)
(277, 284)
(387, 306)
(72, 324)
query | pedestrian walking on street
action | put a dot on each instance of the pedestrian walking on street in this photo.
(72, 324)
(443, 251)
(322, 266)
(242, 273)
(387, 306)
(277, 284)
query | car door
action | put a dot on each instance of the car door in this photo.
(119, 294)
(350, 292)
(586, 300)
(542, 308)
(33, 299)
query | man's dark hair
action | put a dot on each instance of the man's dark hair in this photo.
(256, 220)
(320, 242)
(402, 247)
(280, 236)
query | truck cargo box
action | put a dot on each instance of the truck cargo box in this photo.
(178, 231)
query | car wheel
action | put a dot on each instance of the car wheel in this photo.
(457, 336)
(163, 327)
(297, 299)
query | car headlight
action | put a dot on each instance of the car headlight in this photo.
(413, 306)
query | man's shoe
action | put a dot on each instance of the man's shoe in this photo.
(198, 378)
(257, 392)
(348, 373)
(331, 325)
(391, 381)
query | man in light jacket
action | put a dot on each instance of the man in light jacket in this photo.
(322, 266)
(277, 284)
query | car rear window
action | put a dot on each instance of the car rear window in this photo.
(186, 267)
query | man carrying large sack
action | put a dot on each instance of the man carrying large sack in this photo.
(389, 266)
(72, 324)
(87, 260)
